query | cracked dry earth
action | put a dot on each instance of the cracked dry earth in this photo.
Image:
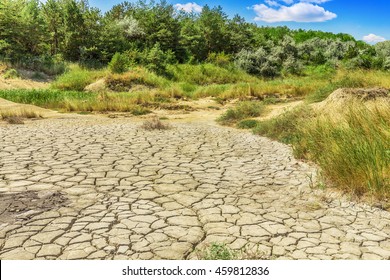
(87, 187)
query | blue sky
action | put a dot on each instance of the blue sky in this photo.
(367, 20)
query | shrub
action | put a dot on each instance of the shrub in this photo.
(292, 66)
(156, 60)
(119, 63)
(11, 74)
(219, 59)
(50, 65)
(244, 109)
(386, 64)
(247, 124)
(259, 62)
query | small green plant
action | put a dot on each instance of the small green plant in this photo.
(217, 252)
(119, 63)
(221, 251)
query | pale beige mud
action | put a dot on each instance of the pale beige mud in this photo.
(87, 187)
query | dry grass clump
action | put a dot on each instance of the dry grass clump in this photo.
(18, 116)
(14, 120)
(155, 124)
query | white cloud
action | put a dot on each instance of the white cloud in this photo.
(189, 7)
(271, 3)
(312, 1)
(298, 12)
(372, 38)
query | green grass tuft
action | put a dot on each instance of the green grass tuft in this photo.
(243, 110)
(247, 124)
(77, 78)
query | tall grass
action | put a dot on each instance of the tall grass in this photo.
(77, 78)
(70, 101)
(243, 110)
(285, 128)
(136, 77)
(353, 151)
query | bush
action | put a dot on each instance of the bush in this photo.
(292, 66)
(11, 74)
(244, 109)
(119, 63)
(156, 60)
(259, 62)
(50, 65)
(219, 59)
(247, 124)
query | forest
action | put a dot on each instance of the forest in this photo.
(42, 36)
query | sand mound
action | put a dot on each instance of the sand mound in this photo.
(98, 86)
(343, 98)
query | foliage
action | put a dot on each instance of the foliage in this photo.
(284, 127)
(119, 63)
(32, 31)
(352, 151)
(247, 124)
(244, 109)
(11, 74)
(137, 76)
(217, 251)
(77, 78)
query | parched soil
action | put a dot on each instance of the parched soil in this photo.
(92, 187)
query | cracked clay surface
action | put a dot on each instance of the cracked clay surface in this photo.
(75, 188)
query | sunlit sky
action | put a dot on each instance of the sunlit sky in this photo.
(365, 20)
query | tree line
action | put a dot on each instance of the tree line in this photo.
(72, 30)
